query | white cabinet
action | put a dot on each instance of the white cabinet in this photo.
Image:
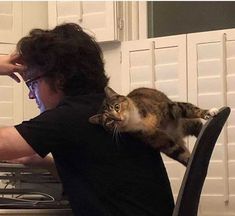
(10, 21)
(158, 63)
(97, 17)
(211, 75)
(137, 65)
(11, 103)
(16, 19)
(199, 68)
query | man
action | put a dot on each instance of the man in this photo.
(64, 71)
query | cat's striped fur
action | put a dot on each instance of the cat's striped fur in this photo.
(150, 115)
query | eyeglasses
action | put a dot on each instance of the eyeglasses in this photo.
(31, 82)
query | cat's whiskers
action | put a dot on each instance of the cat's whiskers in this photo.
(116, 134)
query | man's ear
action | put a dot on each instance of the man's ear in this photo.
(95, 119)
(60, 82)
(109, 92)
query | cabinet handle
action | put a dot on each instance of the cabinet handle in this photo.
(80, 11)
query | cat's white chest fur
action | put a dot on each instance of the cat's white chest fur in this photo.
(134, 122)
(131, 121)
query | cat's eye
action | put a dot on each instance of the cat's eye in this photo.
(105, 107)
(117, 107)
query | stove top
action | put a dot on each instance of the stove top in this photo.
(23, 187)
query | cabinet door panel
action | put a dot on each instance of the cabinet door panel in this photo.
(230, 60)
(97, 17)
(10, 21)
(158, 63)
(170, 66)
(207, 80)
(137, 65)
(211, 76)
(11, 96)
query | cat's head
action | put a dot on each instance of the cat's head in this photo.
(114, 113)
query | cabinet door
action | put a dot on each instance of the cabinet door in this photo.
(137, 65)
(201, 70)
(170, 66)
(98, 17)
(230, 97)
(158, 63)
(11, 96)
(10, 21)
(211, 78)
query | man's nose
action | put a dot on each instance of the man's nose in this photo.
(31, 95)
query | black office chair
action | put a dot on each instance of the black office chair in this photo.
(196, 171)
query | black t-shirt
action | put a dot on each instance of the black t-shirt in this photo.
(102, 174)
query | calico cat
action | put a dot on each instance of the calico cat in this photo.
(151, 116)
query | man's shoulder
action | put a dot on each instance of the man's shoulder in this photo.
(75, 108)
(82, 101)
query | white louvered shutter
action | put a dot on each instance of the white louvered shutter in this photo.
(170, 77)
(158, 63)
(211, 78)
(10, 21)
(170, 66)
(230, 86)
(98, 17)
(137, 65)
(204, 76)
(11, 96)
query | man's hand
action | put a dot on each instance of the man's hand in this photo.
(9, 65)
(36, 161)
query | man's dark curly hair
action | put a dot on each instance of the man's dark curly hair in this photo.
(66, 53)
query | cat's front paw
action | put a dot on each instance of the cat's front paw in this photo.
(211, 112)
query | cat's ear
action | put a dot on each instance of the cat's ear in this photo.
(95, 119)
(109, 92)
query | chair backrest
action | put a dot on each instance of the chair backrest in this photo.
(196, 171)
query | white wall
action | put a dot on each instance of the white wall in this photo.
(112, 58)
